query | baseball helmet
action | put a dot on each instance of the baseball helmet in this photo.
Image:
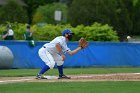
(67, 31)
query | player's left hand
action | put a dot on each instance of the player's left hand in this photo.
(83, 43)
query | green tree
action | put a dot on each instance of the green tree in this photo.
(136, 18)
(124, 24)
(32, 5)
(45, 14)
(12, 12)
(112, 12)
(51, 1)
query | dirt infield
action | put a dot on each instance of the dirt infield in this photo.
(76, 78)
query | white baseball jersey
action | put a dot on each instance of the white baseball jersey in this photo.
(52, 45)
(49, 54)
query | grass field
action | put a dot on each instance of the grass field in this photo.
(69, 71)
(70, 87)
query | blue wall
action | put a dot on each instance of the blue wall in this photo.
(96, 54)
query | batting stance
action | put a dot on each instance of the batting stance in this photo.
(53, 52)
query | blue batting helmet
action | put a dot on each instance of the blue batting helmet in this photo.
(67, 31)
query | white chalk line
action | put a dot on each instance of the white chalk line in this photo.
(19, 80)
(92, 75)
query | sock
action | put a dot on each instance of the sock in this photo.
(60, 70)
(44, 69)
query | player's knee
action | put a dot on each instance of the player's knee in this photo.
(51, 65)
(59, 63)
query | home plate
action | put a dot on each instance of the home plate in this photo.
(50, 77)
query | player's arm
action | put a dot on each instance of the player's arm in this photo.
(74, 51)
(82, 44)
(4, 36)
(59, 49)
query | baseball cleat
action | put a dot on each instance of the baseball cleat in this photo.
(40, 77)
(64, 77)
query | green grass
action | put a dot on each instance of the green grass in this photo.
(69, 71)
(72, 87)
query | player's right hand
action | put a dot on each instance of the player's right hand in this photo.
(63, 57)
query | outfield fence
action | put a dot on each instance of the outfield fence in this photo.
(96, 54)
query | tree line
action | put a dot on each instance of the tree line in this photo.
(122, 15)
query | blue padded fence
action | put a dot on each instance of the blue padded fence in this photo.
(96, 54)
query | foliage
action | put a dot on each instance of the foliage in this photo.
(123, 15)
(136, 18)
(12, 12)
(18, 29)
(47, 32)
(32, 6)
(116, 13)
(45, 13)
(52, 1)
(95, 32)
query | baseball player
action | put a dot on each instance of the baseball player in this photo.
(53, 52)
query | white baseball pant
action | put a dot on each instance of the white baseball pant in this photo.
(50, 58)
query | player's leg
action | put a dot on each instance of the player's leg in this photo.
(42, 71)
(61, 74)
(49, 62)
(58, 60)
